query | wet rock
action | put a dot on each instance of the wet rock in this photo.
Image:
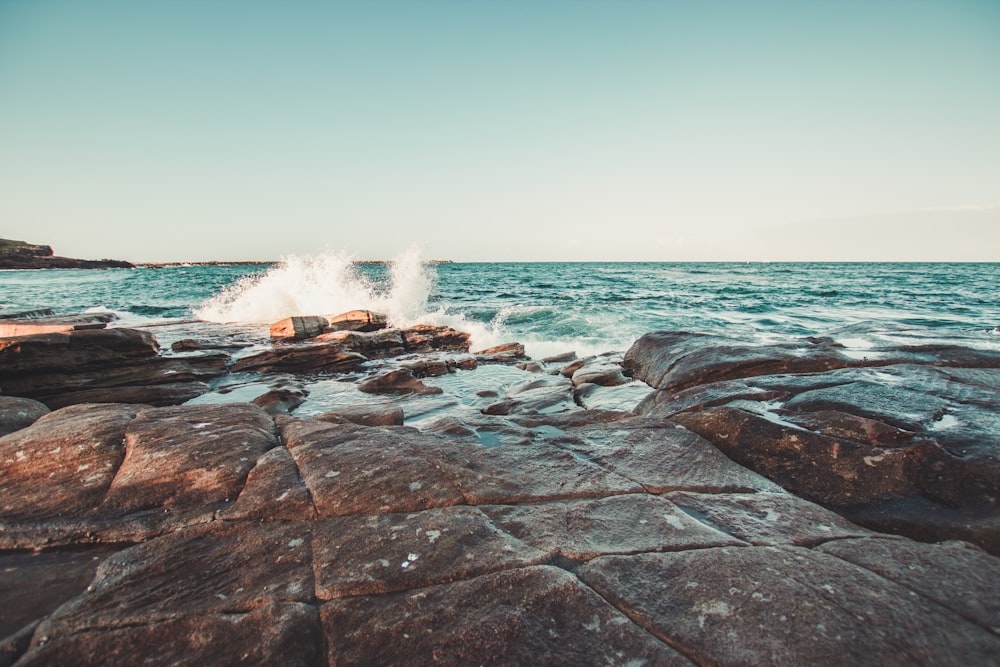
(195, 345)
(531, 367)
(560, 358)
(525, 616)
(297, 328)
(831, 471)
(663, 457)
(568, 420)
(808, 602)
(281, 401)
(678, 359)
(428, 368)
(397, 552)
(17, 413)
(157, 395)
(508, 353)
(424, 338)
(546, 393)
(367, 414)
(605, 374)
(767, 519)
(585, 529)
(373, 345)
(837, 424)
(894, 405)
(449, 426)
(301, 358)
(621, 398)
(357, 320)
(399, 381)
(666, 404)
(72, 351)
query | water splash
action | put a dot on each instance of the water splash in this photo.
(325, 284)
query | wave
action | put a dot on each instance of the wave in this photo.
(325, 284)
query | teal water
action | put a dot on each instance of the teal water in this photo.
(552, 307)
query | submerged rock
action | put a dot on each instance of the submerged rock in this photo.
(17, 413)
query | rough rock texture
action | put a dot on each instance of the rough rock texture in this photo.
(102, 366)
(399, 381)
(17, 413)
(552, 534)
(901, 438)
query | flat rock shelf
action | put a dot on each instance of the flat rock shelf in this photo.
(726, 513)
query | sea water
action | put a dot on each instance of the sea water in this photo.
(550, 307)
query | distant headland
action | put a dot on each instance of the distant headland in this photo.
(22, 255)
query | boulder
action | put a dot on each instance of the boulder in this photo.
(374, 345)
(399, 381)
(17, 413)
(357, 320)
(507, 353)
(425, 338)
(73, 351)
(367, 414)
(302, 358)
(298, 327)
(281, 401)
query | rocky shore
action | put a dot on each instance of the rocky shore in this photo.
(337, 491)
(21, 255)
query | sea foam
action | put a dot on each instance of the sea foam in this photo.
(324, 284)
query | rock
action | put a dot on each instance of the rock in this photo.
(830, 471)
(663, 457)
(281, 401)
(605, 374)
(584, 529)
(297, 328)
(397, 552)
(767, 519)
(357, 320)
(935, 572)
(62, 465)
(678, 359)
(158, 395)
(503, 618)
(285, 634)
(374, 345)
(194, 345)
(13, 326)
(508, 353)
(21, 255)
(274, 491)
(531, 367)
(188, 460)
(546, 393)
(400, 381)
(783, 605)
(303, 358)
(428, 368)
(73, 350)
(367, 414)
(560, 358)
(424, 338)
(17, 413)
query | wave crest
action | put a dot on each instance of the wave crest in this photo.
(325, 284)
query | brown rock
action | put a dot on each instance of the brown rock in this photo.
(937, 572)
(505, 353)
(425, 338)
(281, 401)
(17, 413)
(222, 567)
(536, 615)
(367, 414)
(826, 470)
(397, 552)
(73, 350)
(274, 491)
(374, 345)
(357, 320)
(400, 381)
(663, 457)
(604, 374)
(357, 470)
(63, 464)
(301, 358)
(678, 359)
(783, 605)
(584, 529)
(158, 395)
(273, 634)
(188, 459)
(297, 328)
(767, 519)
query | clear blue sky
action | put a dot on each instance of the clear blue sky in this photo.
(516, 130)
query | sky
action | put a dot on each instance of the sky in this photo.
(542, 130)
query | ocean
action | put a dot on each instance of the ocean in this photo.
(552, 308)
